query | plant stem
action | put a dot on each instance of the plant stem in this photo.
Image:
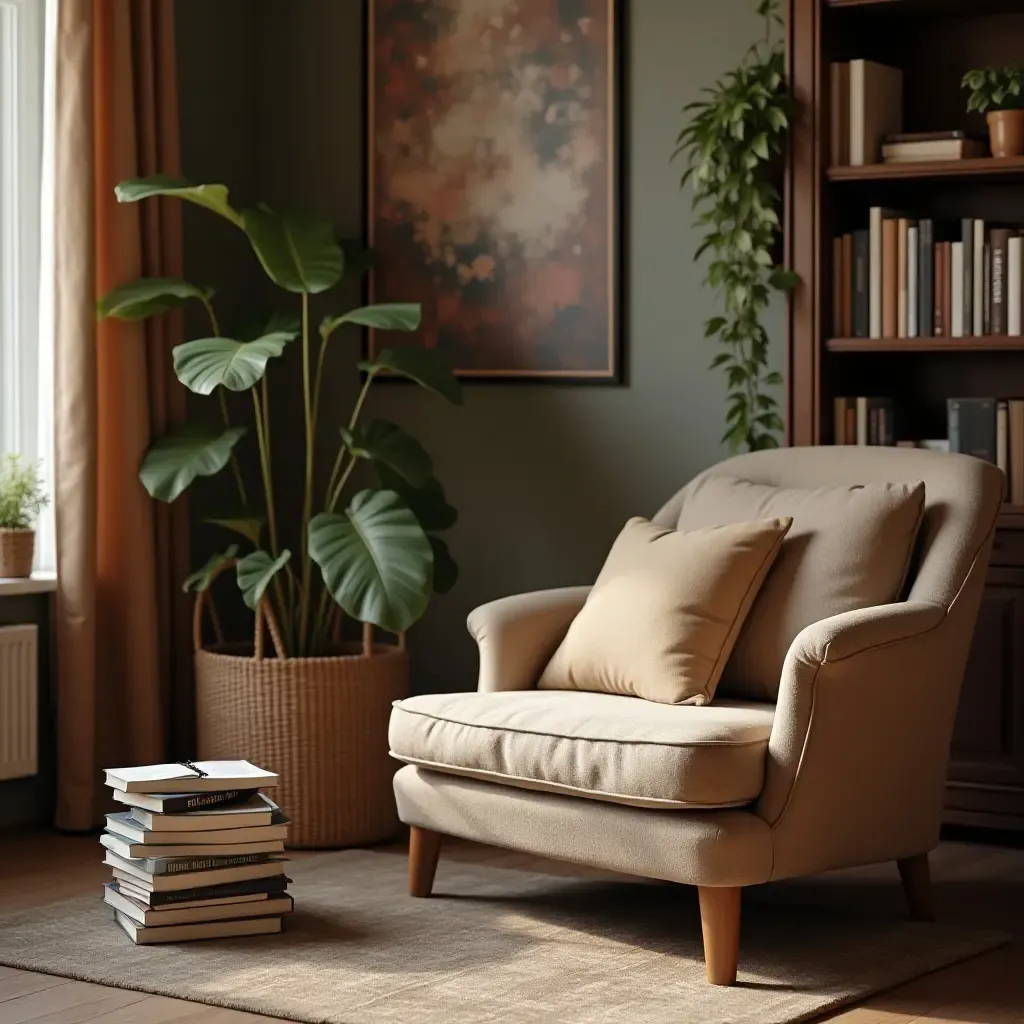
(307, 504)
(333, 498)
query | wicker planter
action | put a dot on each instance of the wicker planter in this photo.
(17, 550)
(320, 723)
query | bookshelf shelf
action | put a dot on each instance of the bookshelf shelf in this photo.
(985, 343)
(928, 7)
(1006, 166)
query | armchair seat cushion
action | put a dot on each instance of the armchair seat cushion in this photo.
(597, 746)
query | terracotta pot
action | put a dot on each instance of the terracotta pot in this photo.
(17, 550)
(1006, 132)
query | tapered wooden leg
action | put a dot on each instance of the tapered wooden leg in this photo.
(917, 886)
(424, 846)
(720, 922)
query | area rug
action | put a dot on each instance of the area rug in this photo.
(497, 946)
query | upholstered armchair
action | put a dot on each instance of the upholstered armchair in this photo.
(841, 761)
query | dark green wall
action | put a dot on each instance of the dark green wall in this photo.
(543, 475)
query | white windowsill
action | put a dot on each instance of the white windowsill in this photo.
(37, 583)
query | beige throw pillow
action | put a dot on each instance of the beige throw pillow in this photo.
(665, 611)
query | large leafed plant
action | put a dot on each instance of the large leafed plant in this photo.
(375, 548)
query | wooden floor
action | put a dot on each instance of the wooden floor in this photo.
(975, 884)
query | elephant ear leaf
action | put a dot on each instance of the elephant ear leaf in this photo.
(255, 572)
(202, 578)
(244, 522)
(385, 316)
(208, 363)
(298, 252)
(446, 570)
(146, 297)
(419, 365)
(210, 197)
(389, 444)
(428, 503)
(375, 559)
(177, 459)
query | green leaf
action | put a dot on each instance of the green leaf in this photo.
(381, 441)
(208, 363)
(385, 316)
(420, 365)
(428, 503)
(375, 559)
(255, 572)
(773, 378)
(298, 252)
(176, 460)
(202, 578)
(714, 325)
(210, 197)
(446, 570)
(243, 522)
(784, 279)
(145, 297)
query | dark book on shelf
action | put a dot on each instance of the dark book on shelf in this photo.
(925, 277)
(860, 290)
(972, 427)
(1000, 255)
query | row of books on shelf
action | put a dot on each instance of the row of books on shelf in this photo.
(198, 854)
(903, 277)
(987, 428)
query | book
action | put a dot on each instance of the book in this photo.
(839, 97)
(846, 285)
(877, 216)
(844, 422)
(876, 108)
(1000, 241)
(925, 277)
(183, 803)
(972, 427)
(859, 285)
(933, 149)
(1002, 439)
(160, 917)
(967, 291)
(956, 288)
(1016, 442)
(193, 854)
(947, 288)
(124, 826)
(257, 810)
(986, 313)
(1013, 284)
(254, 889)
(181, 778)
(978, 277)
(937, 136)
(220, 875)
(913, 286)
(862, 420)
(902, 276)
(837, 287)
(890, 277)
(940, 325)
(143, 936)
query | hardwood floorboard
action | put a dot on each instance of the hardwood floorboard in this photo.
(974, 884)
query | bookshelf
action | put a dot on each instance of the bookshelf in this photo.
(933, 42)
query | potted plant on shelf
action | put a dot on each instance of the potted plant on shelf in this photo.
(996, 93)
(22, 498)
(317, 710)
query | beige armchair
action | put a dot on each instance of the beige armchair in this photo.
(847, 767)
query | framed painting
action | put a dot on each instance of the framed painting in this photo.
(493, 172)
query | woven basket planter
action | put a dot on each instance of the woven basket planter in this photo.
(320, 723)
(17, 550)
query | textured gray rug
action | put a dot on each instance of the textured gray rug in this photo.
(497, 946)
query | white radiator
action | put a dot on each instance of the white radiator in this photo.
(19, 674)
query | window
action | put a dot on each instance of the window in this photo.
(26, 313)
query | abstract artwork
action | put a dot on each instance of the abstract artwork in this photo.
(493, 193)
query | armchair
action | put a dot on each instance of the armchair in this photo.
(846, 767)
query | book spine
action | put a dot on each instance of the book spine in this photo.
(956, 328)
(939, 324)
(846, 289)
(1016, 443)
(178, 865)
(860, 285)
(199, 801)
(986, 325)
(947, 288)
(953, 424)
(839, 421)
(874, 272)
(977, 299)
(913, 284)
(902, 276)
(890, 277)
(862, 421)
(857, 127)
(1002, 441)
(270, 886)
(967, 269)
(837, 287)
(976, 427)
(835, 89)
(925, 278)
(1013, 285)
(1000, 252)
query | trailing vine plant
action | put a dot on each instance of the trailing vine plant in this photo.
(732, 147)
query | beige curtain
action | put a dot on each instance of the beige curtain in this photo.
(122, 642)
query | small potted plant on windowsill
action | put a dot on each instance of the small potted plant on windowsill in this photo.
(21, 499)
(997, 93)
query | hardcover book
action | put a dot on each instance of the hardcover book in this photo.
(972, 427)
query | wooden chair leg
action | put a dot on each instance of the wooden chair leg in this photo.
(720, 923)
(917, 886)
(424, 847)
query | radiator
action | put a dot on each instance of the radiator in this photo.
(19, 674)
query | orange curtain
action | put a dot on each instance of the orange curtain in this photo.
(123, 659)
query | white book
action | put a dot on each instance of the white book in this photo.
(912, 296)
(875, 272)
(159, 917)
(876, 109)
(190, 879)
(957, 290)
(143, 936)
(126, 848)
(1013, 285)
(259, 810)
(902, 275)
(125, 826)
(978, 272)
(180, 778)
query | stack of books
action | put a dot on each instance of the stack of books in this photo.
(925, 147)
(866, 108)
(864, 420)
(904, 277)
(197, 853)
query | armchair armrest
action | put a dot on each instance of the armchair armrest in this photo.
(517, 635)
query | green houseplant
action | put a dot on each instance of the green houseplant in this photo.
(997, 93)
(317, 712)
(733, 146)
(22, 498)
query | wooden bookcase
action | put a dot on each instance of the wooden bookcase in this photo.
(934, 42)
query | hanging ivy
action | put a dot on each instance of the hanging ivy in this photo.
(733, 146)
